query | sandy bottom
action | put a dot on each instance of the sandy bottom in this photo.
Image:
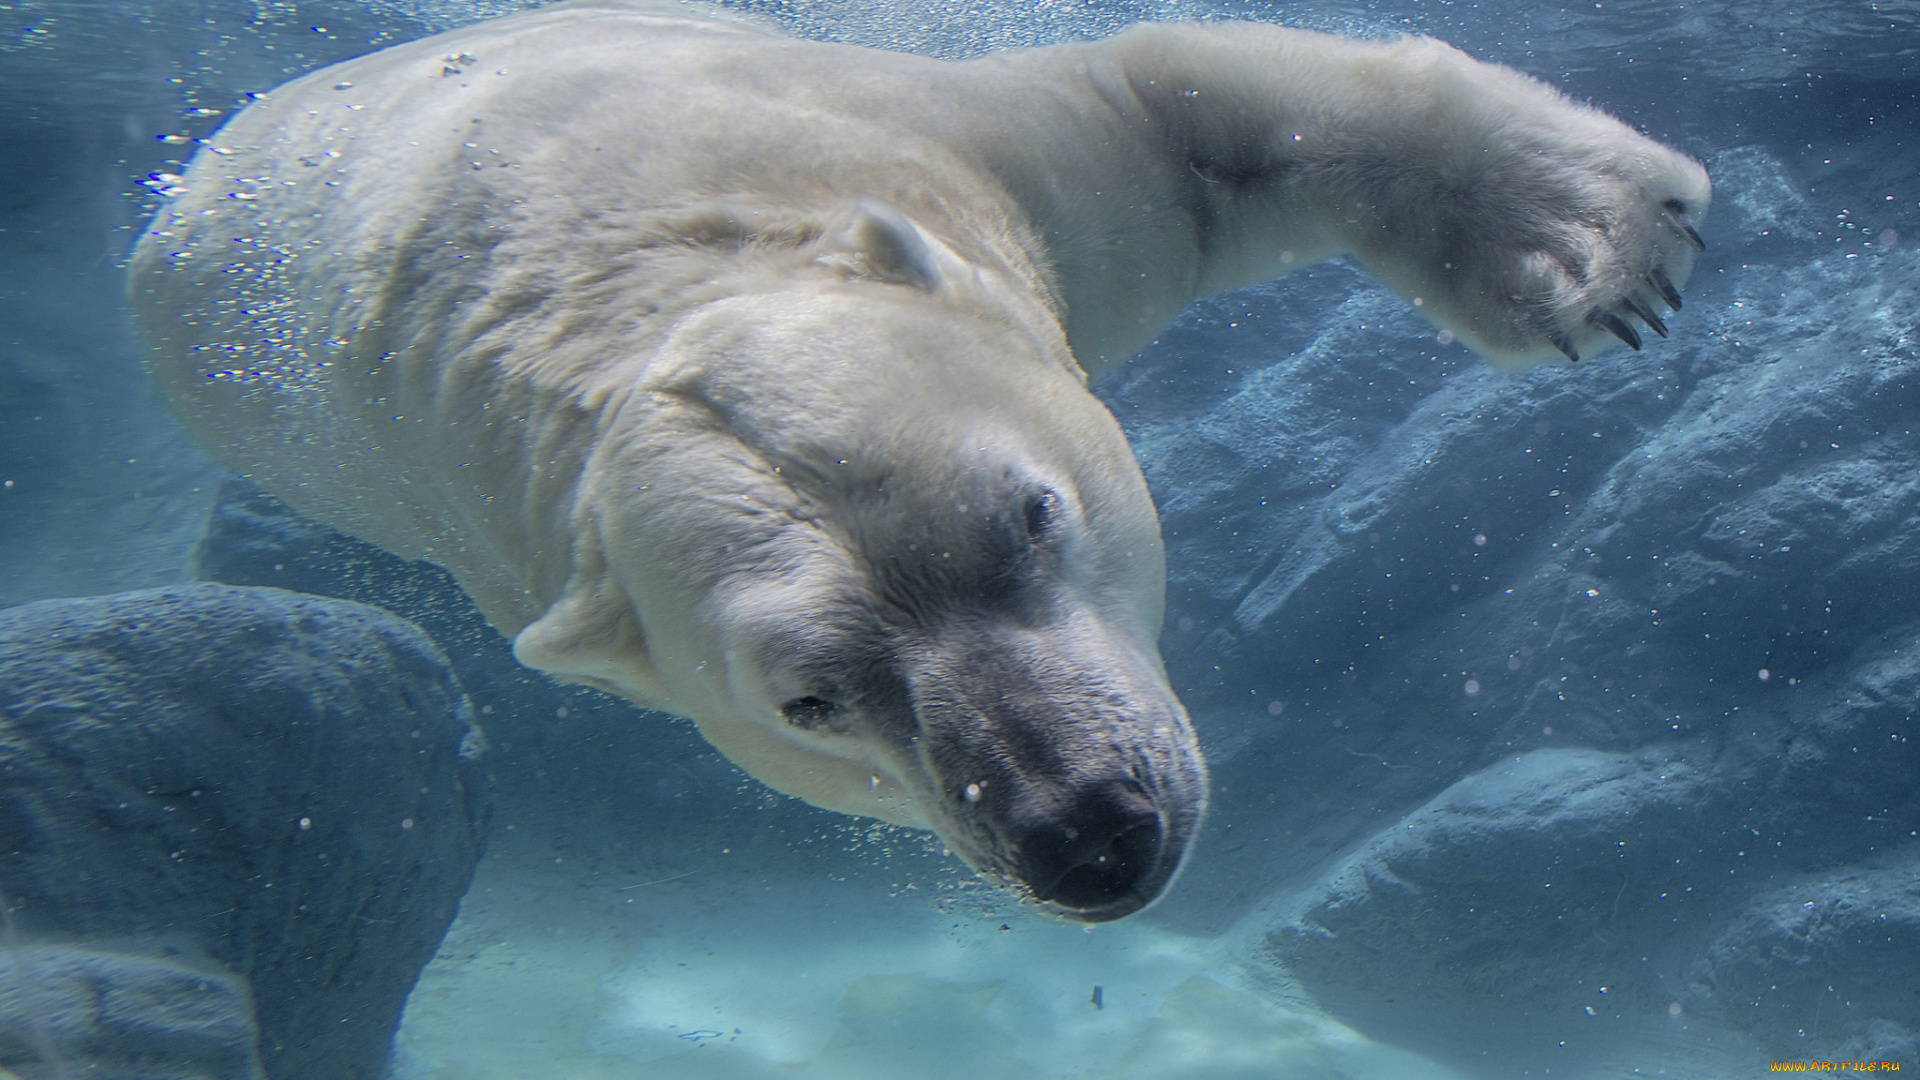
(556, 973)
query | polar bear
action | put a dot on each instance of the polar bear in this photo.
(746, 376)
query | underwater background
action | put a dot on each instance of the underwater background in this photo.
(1560, 722)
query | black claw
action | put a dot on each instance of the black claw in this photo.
(1686, 228)
(1615, 325)
(1663, 285)
(1645, 311)
(1560, 342)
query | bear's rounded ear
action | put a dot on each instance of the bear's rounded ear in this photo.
(591, 635)
(883, 243)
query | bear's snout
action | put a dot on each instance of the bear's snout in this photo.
(1099, 860)
(1054, 758)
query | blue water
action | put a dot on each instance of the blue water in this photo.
(1559, 721)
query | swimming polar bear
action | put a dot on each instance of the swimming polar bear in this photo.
(746, 377)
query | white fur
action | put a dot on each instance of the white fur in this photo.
(719, 366)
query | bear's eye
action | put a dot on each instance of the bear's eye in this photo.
(1043, 512)
(808, 712)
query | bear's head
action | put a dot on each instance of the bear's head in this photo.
(869, 530)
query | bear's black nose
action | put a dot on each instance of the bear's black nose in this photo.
(1097, 857)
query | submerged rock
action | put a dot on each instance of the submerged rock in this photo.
(1525, 910)
(1824, 967)
(1566, 903)
(281, 785)
(123, 1017)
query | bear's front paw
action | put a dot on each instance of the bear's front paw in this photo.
(1609, 273)
(1534, 228)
